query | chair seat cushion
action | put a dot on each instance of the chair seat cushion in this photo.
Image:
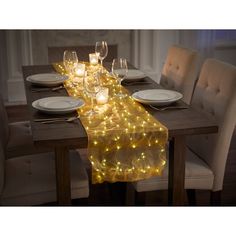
(197, 176)
(20, 140)
(31, 180)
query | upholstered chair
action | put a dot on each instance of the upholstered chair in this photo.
(55, 54)
(180, 71)
(206, 155)
(31, 179)
(16, 136)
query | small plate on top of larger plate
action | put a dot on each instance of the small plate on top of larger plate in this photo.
(58, 105)
(47, 79)
(159, 97)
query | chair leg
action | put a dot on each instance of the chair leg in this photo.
(140, 198)
(191, 193)
(215, 198)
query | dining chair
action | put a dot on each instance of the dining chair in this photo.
(31, 180)
(206, 155)
(55, 54)
(16, 136)
(180, 71)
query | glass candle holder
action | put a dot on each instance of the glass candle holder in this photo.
(78, 77)
(102, 96)
(80, 70)
(93, 59)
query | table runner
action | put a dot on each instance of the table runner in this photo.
(125, 143)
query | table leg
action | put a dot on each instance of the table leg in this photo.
(177, 152)
(63, 175)
(118, 193)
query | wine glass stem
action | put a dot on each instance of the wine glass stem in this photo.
(92, 103)
(120, 85)
(102, 65)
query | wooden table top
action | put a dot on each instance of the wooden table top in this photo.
(179, 122)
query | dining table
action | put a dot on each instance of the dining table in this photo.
(61, 137)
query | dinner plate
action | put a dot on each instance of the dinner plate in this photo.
(46, 79)
(134, 75)
(57, 105)
(159, 97)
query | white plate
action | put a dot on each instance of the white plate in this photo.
(134, 75)
(57, 105)
(46, 79)
(157, 96)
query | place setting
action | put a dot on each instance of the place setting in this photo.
(46, 82)
(58, 105)
(159, 99)
(133, 77)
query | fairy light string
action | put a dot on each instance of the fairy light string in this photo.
(125, 143)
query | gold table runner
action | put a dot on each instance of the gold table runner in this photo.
(125, 143)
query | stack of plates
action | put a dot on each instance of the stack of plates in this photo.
(57, 105)
(159, 97)
(47, 79)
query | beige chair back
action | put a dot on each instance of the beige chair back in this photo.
(215, 94)
(180, 71)
(55, 54)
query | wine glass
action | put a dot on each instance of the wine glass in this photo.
(70, 61)
(119, 70)
(101, 49)
(92, 87)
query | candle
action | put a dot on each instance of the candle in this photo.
(93, 59)
(80, 70)
(102, 96)
(78, 80)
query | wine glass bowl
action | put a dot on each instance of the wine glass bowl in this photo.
(92, 87)
(119, 70)
(70, 61)
(101, 49)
